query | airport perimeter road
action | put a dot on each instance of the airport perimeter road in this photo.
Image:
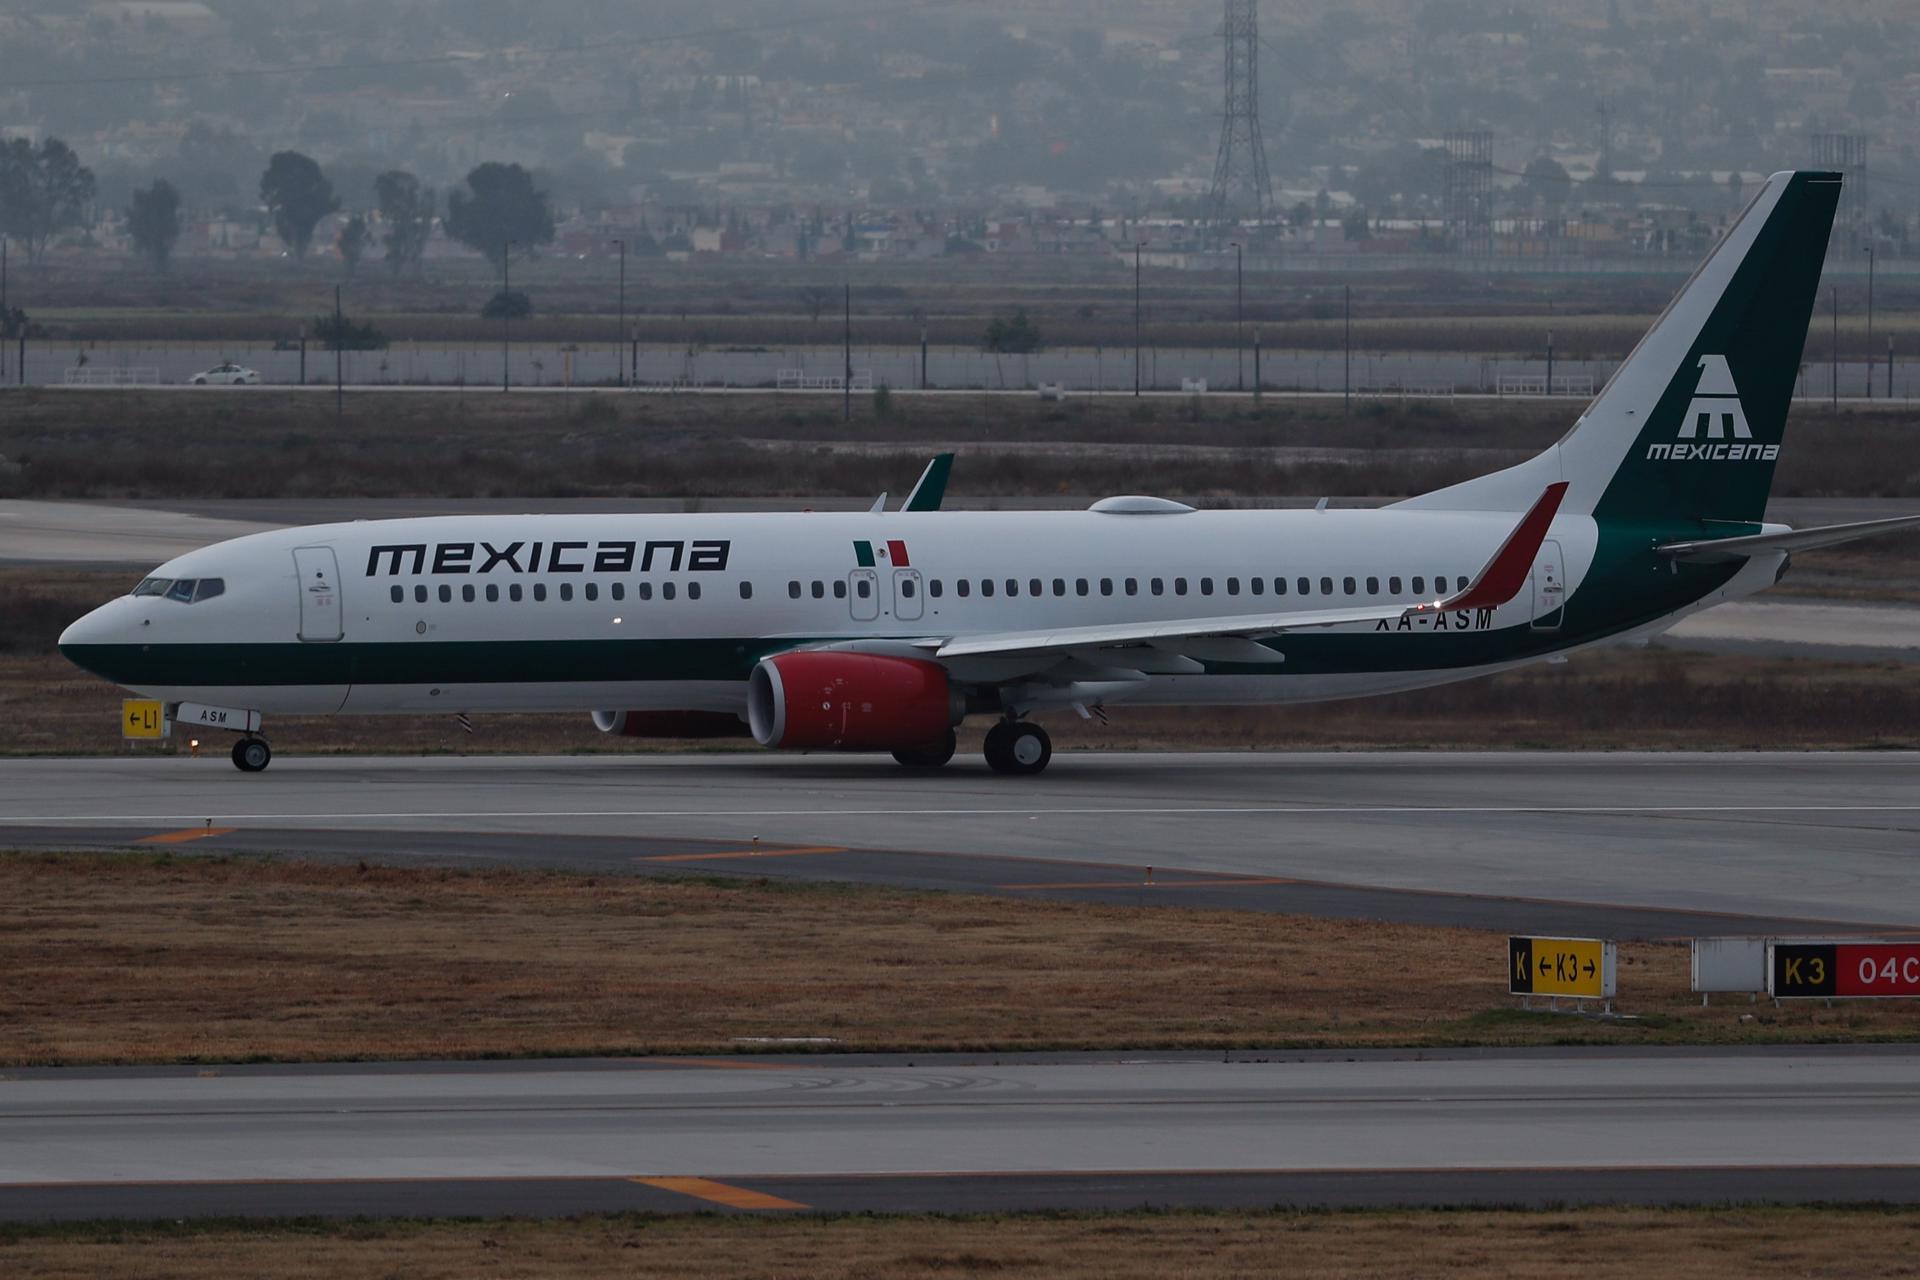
(958, 1134)
(1789, 835)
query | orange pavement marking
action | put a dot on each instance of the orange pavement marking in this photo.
(741, 853)
(721, 1193)
(181, 837)
(1155, 884)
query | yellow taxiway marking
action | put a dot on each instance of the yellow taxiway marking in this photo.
(729, 854)
(181, 837)
(721, 1193)
(1225, 882)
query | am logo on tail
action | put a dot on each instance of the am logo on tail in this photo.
(1650, 508)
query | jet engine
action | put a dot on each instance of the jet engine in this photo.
(839, 701)
(670, 724)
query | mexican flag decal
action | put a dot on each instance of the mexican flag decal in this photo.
(893, 551)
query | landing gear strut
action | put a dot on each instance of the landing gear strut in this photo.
(251, 755)
(1018, 747)
(931, 756)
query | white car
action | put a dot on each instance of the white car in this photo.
(226, 375)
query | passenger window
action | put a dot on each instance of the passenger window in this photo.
(466, 593)
(209, 588)
(863, 588)
(493, 592)
(1106, 586)
(1233, 586)
(399, 595)
(693, 591)
(513, 592)
(963, 586)
(906, 588)
(1304, 586)
(1133, 586)
(1179, 586)
(986, 586)
(592, 590)
(1206, 586)
(839, 588)
(1158, 586)
(746, 589)
(1419, 586)
(540, 593)
(644, 590)
(819, 589)
(1060, 587)
(668, 591)
(420, 594)
(1373, 586)
(619, 590)
(1350, 585)
(1326, 586)
(446, 594)
(1258, 586)
(566, 591)
(183, 591)
(1393, 586)
(933, 588)
(793, 591)
(1035, 587)
(1013, 586)
(1079, 586)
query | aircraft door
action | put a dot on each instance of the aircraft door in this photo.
(318, 576)
(863, 594)
(907, 590)
(1549, 587)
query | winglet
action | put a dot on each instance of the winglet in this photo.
(1504, 575)
(932, 485)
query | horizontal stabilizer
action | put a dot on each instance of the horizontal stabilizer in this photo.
(1721, 550)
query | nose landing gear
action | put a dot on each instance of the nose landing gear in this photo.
(1017, 747)
(251, 754)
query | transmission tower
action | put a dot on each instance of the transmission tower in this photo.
(1240, 183)
(1469, 191)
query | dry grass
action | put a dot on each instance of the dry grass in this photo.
(121, 958)
(1596, 1244)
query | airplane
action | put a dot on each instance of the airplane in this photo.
(880, 631)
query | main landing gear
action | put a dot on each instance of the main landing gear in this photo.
(251, 755)
(931, 756)
(1018, 747)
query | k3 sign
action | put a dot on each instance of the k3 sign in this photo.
(1844, 970)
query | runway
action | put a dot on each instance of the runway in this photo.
(959, 1134)
(1630, 843)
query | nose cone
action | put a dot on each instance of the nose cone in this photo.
(83, 642)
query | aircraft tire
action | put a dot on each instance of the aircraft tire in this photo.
(930, 756)
(251, 755)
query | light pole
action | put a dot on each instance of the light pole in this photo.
(1138, 245)
(1239, 338)
(620, 336)
(506, 316)
(1869, 322)
(1346, 364)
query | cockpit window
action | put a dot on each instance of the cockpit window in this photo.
(185, 590)
(209, 588)
(153, 586)
(182, 590)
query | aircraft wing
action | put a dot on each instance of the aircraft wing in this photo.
(1716, 550)
(1498, 581)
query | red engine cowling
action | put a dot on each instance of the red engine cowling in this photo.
(670, 724)
(836, 701)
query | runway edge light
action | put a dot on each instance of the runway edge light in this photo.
(1581, 968)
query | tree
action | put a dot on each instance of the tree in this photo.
(154, 221)
(298, 195)
(507, 306)
(352, 242)
(1548, 182)
(499, 205)
(43, 191)
(406, 207)
(1018, 336)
